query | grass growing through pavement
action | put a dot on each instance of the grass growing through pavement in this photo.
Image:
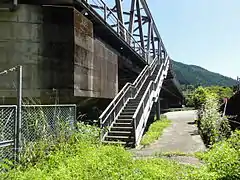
(155, 130)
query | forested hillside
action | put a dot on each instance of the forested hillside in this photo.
(195, 75)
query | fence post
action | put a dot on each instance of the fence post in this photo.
(19, 113)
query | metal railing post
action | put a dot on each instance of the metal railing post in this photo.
(105, 12)
(19, 114)
(118, 27)
(134, 132)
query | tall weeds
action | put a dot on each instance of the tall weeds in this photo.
(213, 127)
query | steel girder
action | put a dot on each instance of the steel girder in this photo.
(133, 22)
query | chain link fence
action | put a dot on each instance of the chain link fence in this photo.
(7, 125)
(24, 125)
(37, 122)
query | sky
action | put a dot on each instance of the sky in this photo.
(201, 32)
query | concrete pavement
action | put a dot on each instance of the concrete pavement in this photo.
(181, 136)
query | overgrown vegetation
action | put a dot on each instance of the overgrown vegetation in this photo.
(224, 158)
(82, 156)
(212, 125)
(155, 130)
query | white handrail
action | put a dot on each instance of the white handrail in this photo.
(144, 95)
(155, 82)
(116, 97)
(119, 97)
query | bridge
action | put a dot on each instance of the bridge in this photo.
(108, 53)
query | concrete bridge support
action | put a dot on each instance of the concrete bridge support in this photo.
(63, 58)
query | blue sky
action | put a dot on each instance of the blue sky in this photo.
(201, 32)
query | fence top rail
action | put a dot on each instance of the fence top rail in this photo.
(50, 105)
(8, 106)
(6, 143)
(39, 105)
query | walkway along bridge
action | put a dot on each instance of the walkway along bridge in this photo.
(93, 49)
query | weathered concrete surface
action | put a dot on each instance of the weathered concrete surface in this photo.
(20, 34)
(61, 58)
(95, 64)
(181, 136)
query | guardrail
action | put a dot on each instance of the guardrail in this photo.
(108, 117)
(143, 110)
(109, 17)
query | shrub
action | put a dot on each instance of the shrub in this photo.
(199, 97)
(213, 127)
(224, 158)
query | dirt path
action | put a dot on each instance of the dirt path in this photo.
(182, 136)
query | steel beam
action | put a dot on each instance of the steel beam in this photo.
(153, 43)
(131, 16)
(148, 13)
(120, 17)
(159, 51)
(140, 24)
(125, 23)
(144, 22)
(114, 10)
(149, 39)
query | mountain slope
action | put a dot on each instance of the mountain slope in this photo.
(195, 75)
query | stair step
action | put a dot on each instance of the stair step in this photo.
(120, 133)
(127, 113)
(122, 124)
(117, 128)
(125, 117)
(114, 142)
(123, 120)
(131, 144)
(119, 138)
(130, 106)
(128, 110)
(133, 103)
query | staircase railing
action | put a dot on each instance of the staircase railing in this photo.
(143, 110)
(109, 115)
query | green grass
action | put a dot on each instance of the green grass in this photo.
(82, 156)
(174, 153)
(155, 130)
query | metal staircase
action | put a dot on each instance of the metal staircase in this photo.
(125, 119)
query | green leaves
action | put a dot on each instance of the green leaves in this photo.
(213, 127)
(224, 158)
(199, 96)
